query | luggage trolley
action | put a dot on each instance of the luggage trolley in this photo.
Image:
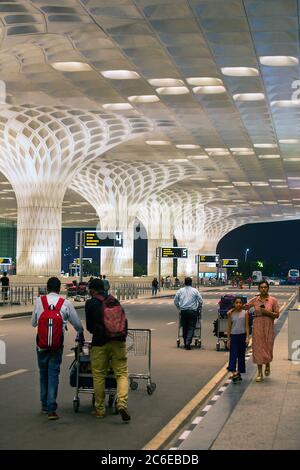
(82, 379)
(197, 333)
(139, 344)
(221, 323)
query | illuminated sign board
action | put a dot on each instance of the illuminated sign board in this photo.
(174, 252)
(97, 239)
(230, 263)
(207, 258)
(5, 260)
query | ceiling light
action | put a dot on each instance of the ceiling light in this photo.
(158, 142)
(172, 90)
(71, 66)
(198, 157)
(278, 60)
(268, 157)
(240, 71)
(289, 141)
(209, 90)
(280, 186)
(120, 74)
(187, 146)
(165, 82)
(245, 152)
(294, 159)
(241, 183)
(249, 97)
(204, 81)
(143, 99)
(216, 149)
(285, 103)
(277, 181)
(259, 183)
(219, 181)
(241, 149)
(265, 146)
(178, 160)
(117, 106)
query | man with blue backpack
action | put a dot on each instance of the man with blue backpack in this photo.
(106, 321)
(50, 315)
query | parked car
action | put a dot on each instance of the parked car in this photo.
(273, 281)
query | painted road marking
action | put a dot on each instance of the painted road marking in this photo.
(70, 355)
(12, 374)
(171, 323)
(197, 420)
(184, 435)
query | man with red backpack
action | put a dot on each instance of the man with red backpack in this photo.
(106, 321)
(50, 315)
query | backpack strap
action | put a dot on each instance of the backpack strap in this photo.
(44, 302)
(59, 304)
(99, 297)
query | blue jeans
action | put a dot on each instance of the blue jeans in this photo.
(49, 365)
(237, 353)
(188, 323)
(154, 290)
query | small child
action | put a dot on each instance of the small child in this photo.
(238, 334)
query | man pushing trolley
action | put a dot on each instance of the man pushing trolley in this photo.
(188, 301)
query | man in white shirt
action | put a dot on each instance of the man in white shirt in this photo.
(49, 360)
(188, 300)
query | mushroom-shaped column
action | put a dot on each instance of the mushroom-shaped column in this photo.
(118, 190)
(41, 150)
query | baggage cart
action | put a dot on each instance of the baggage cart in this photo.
(139, 345)
(197, 332)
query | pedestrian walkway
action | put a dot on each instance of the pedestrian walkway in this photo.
(250, 415)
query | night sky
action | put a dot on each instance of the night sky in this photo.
(272, 242)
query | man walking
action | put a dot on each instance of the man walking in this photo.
(106, 284)
(188, 300)
(105, 320)
(51, 314)
(5, 285)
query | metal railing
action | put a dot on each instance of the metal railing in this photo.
(17, 295)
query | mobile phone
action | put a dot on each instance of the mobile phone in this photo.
(262, 306)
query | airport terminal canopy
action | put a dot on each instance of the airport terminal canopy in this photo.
(208, 86)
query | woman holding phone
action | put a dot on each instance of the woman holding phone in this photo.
(266, 309)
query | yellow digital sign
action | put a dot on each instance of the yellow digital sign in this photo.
(174, 252)
(96, 239)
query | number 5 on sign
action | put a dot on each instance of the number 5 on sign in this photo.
(296, 353)
(184, 253)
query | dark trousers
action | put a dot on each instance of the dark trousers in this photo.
(154, 290)
(49, 365)
(237, 353)
(188, 323)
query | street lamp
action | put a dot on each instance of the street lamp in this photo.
(246, 253)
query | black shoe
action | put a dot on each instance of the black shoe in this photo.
(52, 416)
(188, 347)
(124, 414)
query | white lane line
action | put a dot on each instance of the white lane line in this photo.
(197, 420)
(207, 408)
(222, 389)
(215, 398)
(184, 435)
(171, 323)
(70, 355)
(12, 374)
(173, 448)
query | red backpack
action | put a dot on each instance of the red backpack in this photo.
(114, 318)
(50, 326)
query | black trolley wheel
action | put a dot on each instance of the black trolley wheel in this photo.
(151, 388)
(199, 343)
(134, 385)
(178, 343)
(218, 346)
(93, 400)
(111, 400)
(76, 405)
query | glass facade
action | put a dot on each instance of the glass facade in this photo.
(8, 239)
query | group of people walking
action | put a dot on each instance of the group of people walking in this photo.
(261, 310)
(108, 349)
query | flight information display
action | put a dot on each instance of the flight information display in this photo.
(5, 260)
(97, 239)
(230, 263)
(208, 258)
(174, 252)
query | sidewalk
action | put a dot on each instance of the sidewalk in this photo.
(255, 416)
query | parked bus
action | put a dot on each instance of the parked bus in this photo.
(293, 276)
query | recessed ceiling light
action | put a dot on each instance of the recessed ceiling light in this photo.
(204, 81)
(117, 106)
(173, 90)
(143, 99)
(165, 82)
(178, 160)
(241, 183)
(187, 146)
(293, 159)
(219, 181)
(241, 149)
(249, 97)
(278, 60)
(286, 103)
(289, 141)
(71, 66)
(120, 74)
(259, 183)
(209, 90)
(244, 152)
(265, 146)
(276, 180)
(158, 142)
(240, 71)
(268, 157)
(197, 157)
